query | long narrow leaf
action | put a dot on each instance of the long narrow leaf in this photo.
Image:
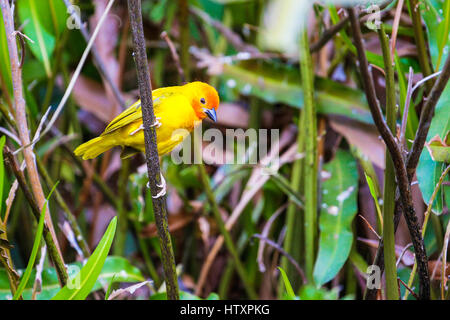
(2, 172)
(34, 251)
(90, 272)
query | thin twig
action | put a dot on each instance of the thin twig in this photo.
(426, 117)
(398, 13)
(408, 288)
(328, 34)
(175, 56)
(400, 257)
(406, 109)
(51, 245)
(151, 151)
(277, 247)
(98, 60)
(265, 234)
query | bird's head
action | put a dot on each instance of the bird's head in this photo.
(205, 99)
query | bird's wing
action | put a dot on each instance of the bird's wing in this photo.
(133, 113)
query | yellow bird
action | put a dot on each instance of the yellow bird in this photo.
(178, 107)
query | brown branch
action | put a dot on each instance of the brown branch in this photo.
(413, 158)
(328, 34)
(51, 245)
(151, 151)
(425, 118)
(175, 56)
(21, 117)
(397, 158)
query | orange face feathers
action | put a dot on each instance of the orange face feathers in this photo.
(205, 99)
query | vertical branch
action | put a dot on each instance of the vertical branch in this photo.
(389, 176)
(151, 151)
(184, 37)
(425, 119)
(21, 117)
(310, 163)
(397, 158)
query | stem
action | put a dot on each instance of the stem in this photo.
(310, 163)
(419, 36)
(427, 215)
(389, 176)
(294, 218)
(119, 245)
(21, 118)
(151, 151)
(184, 38)
(51, 245)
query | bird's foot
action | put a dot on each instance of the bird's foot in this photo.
(162, 186)
(156, 124)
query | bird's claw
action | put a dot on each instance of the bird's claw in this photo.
(156, 124)
(162, 186)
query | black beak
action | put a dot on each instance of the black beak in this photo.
(211, 113)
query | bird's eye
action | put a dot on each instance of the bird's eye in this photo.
(202, 101)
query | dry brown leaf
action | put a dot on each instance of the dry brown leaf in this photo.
(364, 137)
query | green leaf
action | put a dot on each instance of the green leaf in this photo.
(34, 251)
(310, 292)
(429, 171)
(287, 284)
(59, 14)
(374, 193)
(412, 120)
(91, 271)
(439, 150)
(184, 295)
(278, 83)
(339, 206)
(34, 17)
(115, 270)
(436, 15)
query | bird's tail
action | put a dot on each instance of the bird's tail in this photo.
(94, 147)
